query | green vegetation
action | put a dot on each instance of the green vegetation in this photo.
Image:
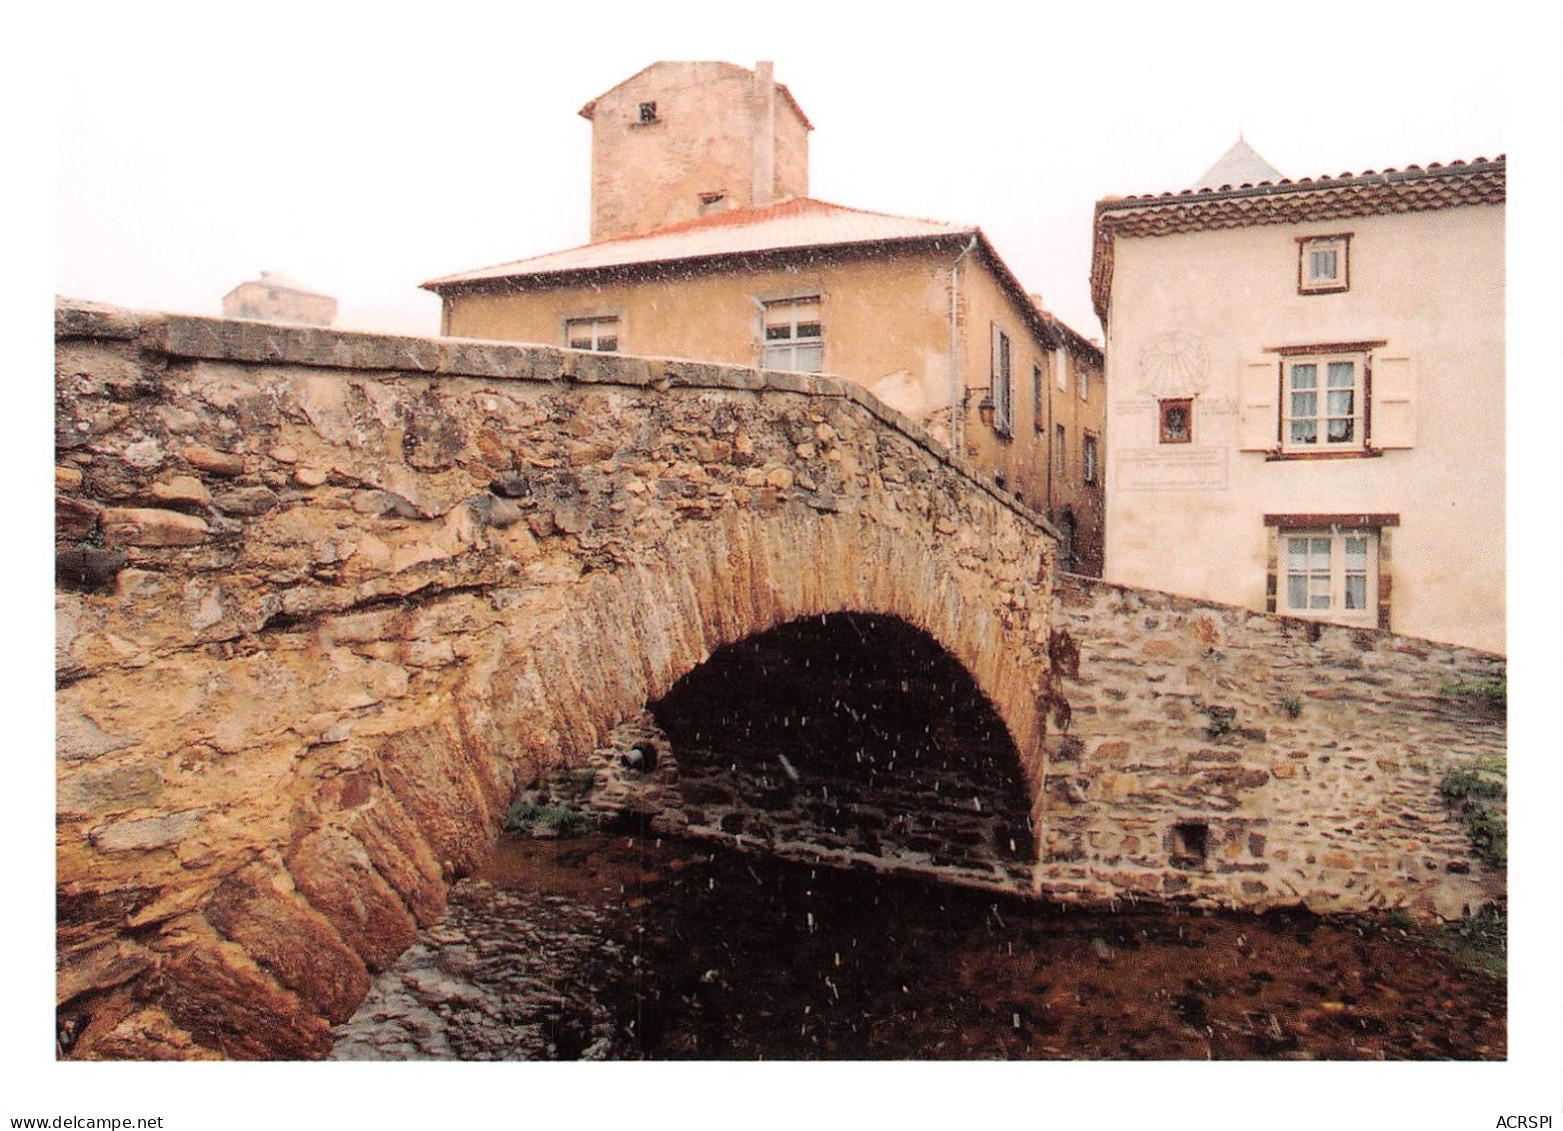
(1477, 794)
(1493, 693)
(1292, 706)
(546, 818)
(1479, 942)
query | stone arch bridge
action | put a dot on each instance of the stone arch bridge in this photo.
(326, 601)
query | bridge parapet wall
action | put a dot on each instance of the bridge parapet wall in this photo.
(325, 599)
(1231, 758)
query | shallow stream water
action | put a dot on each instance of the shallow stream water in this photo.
(635, 947)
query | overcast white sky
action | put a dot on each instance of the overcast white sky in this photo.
(363, 150)
(365, 156)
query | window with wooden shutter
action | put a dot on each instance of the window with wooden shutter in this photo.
(1258, 414)
(1394, 403)
(999, 382)
(1038, 409)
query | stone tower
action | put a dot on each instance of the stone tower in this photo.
(682, 140)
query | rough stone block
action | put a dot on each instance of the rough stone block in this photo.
(146, 833)
(289, 940)
(179, 490)
(214, 461)
(334, 872)
(236, 1009)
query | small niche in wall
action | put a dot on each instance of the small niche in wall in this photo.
(1190, 844)
(1177, 421)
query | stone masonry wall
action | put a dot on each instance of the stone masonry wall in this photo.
(1231, 758)
(325, 600)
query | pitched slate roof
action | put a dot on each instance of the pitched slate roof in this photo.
(1239, 165)
(1412, 189)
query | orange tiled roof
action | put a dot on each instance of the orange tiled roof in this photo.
(1413, 189)
(793, 227)
(798, 223)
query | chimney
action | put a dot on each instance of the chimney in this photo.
(764, 103)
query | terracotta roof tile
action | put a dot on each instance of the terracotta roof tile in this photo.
(795, 226)
(798, 223)
(1412, 189)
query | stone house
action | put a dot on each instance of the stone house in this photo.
(707, 246)
(1307, 377)
(276, 298)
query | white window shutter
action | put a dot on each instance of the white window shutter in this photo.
(1258, 422)
(1394, 403)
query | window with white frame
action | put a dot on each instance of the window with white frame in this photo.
(1322, 264)
(1083, 382)
(1330, 573)
(1321, 403)
(600, 333)
(1060, 447)
(1088, 458)
(794, 338)
(999, 384)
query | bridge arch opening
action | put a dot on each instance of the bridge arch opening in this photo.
(853, 739)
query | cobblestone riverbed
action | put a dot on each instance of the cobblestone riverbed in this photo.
(638, 947)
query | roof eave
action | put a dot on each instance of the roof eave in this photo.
(706, 259)
(1476, 167)
(1049, 329)
(1104, 229)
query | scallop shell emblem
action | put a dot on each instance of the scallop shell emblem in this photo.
(1173, 365)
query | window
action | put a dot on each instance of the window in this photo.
(999, 387)
(1061, 370)
(648, 113)
(1088, 458)
(1177, 421)
(1083, 383)
(1037, 416)
(1331, 573)
(793, 338)
(1331, 567)
(599, 333)
(1059, 462)
(1336, 399)
(1322, 264)
(1322, 402)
